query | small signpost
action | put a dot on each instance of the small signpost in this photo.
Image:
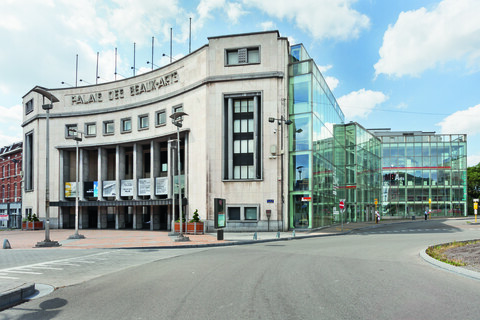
(475, 207)
(341, 205)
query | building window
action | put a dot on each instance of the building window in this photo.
(242, 213)
(29, 106)
(242, 56)
(90, 129)
(242, 139)
(126, 125)
(160, 118)
(70, 131)
(143, 122)
(28, 161)
(108, 127)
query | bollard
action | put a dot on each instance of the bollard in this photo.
(278, 235)
(255, 236)
(293, 233)
(6, 244)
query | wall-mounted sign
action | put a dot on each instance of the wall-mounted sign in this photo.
(270, 201)
(121, 93)
(90, 189)
(161, 186)
(144, 187)
(3, 217)
(126, 188)
(109, 188)
(70, 189)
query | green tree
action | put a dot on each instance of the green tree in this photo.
(473, 186)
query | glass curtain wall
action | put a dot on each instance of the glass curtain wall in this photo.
(312, 173)
(358, 153)
(424, 172)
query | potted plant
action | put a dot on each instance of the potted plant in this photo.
(194, 226)
(31, 222)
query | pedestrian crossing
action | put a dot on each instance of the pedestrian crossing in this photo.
(56, 266)
(410, 230)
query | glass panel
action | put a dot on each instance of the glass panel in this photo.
(244, 146)
(232, 57)
(236, 172)
(244, 125)
(250, 146)
(250, 213)
(127, 125)
(236, 126)
(253, 56)
(236, 146)
(91, 129)
(233, 213)
(244, 106)
(236, 105)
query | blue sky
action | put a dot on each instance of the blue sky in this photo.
(404, 65)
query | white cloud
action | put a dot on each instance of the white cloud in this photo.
(205, 7)
(359, 104)
(332, 82)
(463, 121)
(334, 19)
(234, 12)
(423, 39)
(10, 121)
(267, 25)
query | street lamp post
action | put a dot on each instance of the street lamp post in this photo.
(281, 123)
(47, 107)
(177, 119)
(77, 189)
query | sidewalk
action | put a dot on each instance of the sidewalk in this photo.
(13, 292)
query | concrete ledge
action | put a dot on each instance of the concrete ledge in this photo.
(449, 267)
(15, 295)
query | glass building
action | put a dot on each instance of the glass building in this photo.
(312, 172)
(358, 162)
(423, 171)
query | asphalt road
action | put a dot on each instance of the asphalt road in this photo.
(374, 273)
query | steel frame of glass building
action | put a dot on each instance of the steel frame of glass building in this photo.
(423, 171)
(312, 172)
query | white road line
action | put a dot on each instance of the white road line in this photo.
(9, 278)
(46, 267)
(21, 271)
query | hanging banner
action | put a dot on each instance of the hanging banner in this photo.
(144, 187)
(161, 186)
(70, 189)
(126, 188)
(109, 188)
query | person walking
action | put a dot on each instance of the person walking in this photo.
(426, 214)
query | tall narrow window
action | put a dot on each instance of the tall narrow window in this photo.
(28, 161)
(242, 145)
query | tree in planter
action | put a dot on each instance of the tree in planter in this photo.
(195, 217)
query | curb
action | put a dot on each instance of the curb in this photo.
(16, 295)
(448, 267)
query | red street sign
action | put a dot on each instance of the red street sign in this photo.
(341, 205)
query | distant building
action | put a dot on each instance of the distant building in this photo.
(423, 171)
(11, 186)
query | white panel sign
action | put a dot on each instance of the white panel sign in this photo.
(144, 187)
(126, 187)
(109, 188)
(161, 186)
(70, 189)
